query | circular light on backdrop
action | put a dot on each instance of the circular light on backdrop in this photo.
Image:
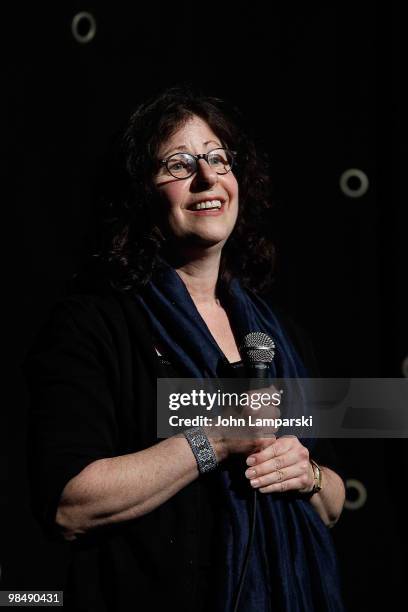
(354, 183)
(404, 367)
(360, 497)
(83, 27)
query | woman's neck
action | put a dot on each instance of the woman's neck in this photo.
(200, 275)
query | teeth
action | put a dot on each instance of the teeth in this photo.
(207, 204)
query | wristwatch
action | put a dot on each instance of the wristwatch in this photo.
(317, 485)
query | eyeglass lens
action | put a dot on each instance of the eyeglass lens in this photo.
(182, 165)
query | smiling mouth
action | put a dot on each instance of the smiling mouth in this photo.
(206, 206)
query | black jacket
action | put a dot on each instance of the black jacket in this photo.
(92, 375)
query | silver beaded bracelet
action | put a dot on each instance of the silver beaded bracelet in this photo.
(202, 449)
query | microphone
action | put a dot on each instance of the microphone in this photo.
(258, 351)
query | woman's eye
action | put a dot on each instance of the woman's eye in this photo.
(175, 166)
(216, 160)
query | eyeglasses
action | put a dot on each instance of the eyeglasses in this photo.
(184, 165)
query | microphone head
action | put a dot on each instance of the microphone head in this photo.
(257, 347)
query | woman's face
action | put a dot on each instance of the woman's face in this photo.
(178, 198)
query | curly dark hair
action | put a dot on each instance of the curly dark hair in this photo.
(131, 245)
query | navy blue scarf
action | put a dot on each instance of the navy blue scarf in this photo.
(293, 566)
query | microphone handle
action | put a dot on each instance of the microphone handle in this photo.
(260, 372)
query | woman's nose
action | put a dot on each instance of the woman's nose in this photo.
(205, 173)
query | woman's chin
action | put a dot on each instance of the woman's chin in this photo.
(207, 240)
(203, 238)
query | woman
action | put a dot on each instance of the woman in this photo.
(175, 285)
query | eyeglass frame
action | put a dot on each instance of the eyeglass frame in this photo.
(204, 156)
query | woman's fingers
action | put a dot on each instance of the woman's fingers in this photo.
(272, 465)
(282, 446)
(282, 466)
(293, 484)
(264, 476)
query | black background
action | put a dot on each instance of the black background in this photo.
(322, 86)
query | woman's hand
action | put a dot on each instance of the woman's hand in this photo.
(247, 439)
(281, 466)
